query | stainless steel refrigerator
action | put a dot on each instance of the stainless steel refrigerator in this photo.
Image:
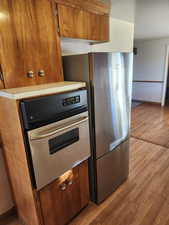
(109, 82)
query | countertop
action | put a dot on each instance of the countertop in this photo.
(40, 90)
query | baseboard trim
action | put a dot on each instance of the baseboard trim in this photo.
(10, 212)
(148, 81)
(141, 101)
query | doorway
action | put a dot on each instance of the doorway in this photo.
(167, 91)
(165, 98)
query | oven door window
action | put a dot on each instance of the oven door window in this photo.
(62, 141)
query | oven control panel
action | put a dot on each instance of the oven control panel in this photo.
(47, 109)
(71, 101)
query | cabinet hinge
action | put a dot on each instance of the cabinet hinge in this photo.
(57, 18)
(37, 197)
(56, 11)
(58, 29)
(1, 76)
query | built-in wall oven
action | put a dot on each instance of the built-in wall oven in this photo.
(56, 133)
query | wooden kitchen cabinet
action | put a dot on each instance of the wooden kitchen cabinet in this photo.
(30, 50)
(52, 205)
(81, 24)
(29, 42)
(64, 198)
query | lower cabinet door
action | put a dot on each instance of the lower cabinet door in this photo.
(64, 198)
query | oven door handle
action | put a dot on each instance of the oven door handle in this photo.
(40, 136)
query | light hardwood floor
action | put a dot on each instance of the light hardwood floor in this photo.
(150, 123)
(144, 198)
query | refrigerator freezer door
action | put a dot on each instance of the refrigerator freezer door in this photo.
(112, 85)
(112, 171)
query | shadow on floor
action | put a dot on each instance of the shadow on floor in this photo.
(135, 104)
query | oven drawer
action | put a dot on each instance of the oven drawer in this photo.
(58, 147)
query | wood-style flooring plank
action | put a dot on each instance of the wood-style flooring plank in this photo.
(150, 123)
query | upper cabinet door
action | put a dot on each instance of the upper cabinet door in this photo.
(81, 24)
(73, 22)
(98, 27)
(49, 42)
(30, 47)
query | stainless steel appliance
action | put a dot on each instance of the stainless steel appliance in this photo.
(57, 133)
(109, 80)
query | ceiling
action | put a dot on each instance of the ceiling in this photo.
(152, 19)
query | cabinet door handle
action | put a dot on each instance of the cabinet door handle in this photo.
(69, 182)
(41, 73)
(63, 187)
(58, 130)
(1, 76)
(30, 74)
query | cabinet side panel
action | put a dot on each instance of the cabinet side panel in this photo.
(84, 183)
(15, 157)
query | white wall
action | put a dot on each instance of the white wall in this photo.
(121, 37)
(152, 18)
(123, 10)
(5, 193)
(148, 92)
(149, 65)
